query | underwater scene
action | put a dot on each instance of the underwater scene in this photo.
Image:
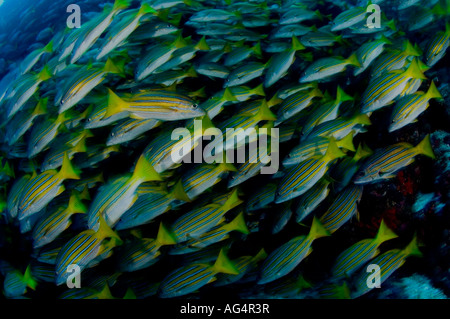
(194, 149)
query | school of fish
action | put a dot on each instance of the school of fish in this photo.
(88, 177)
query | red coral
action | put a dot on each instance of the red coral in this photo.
(406, 184)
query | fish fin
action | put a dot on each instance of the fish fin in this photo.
(115, 104)
(67, 170)
(41, 107)
(224, 265)
(261, 255)
(347, 142)
(232, 201)
(333, 152)
(145, 9)
(384, 233)
(121, 4)
(413, 71)
(296, 45)
(144, 171)
(341, 96)
(362, 152)
(424, 147)
(105, 231)
(112, 67)
(257, 49)
(105, 293)
(238, 224)
(81, 146)
(75, 204)
(264, 113)
(409, 49)
(317, 229)
(259, 90)
(202, 45)
(275, 100)
(353, 60)
(45, 73)
(413, 249)
(164, 237)
(84, 195)
(179, 193)
(433, 92)
(129, 294)
(28, 278)
(225, 166)
(316, 92)
(228, 96)
(48, 48)
(362, 119)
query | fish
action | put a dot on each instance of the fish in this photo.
(33, 57)
(325, 69)
(325, 112)
(303, 176)
(296, 103)
(200, 220)
(203, 177)
(54, 223)
(189, 278)
(369, 51)
(141, 253)
(351, 259)
(86, 80)
(94, 29)
(437, 46)
(383, 90)
(241, 53)
(157, 55)
(279, 64)
(118, 35)
(54, 157)
(115, 197)
(16, 284)
(311, 199)
(22, 121)
(388, 262)
(408, 108)
(343, 172)
(41, 189)
(263, 196)
(385, 162)
(156, 105)
(288, 256)
(394, 59)
(340, 127)
(314, 146)
(130, 129)
(245, 265)
(343, 208)
(213, 236)
(150, 205)
(348, 18)
(84, 249)
(245, 73)
(28, 86)
(44, 132)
